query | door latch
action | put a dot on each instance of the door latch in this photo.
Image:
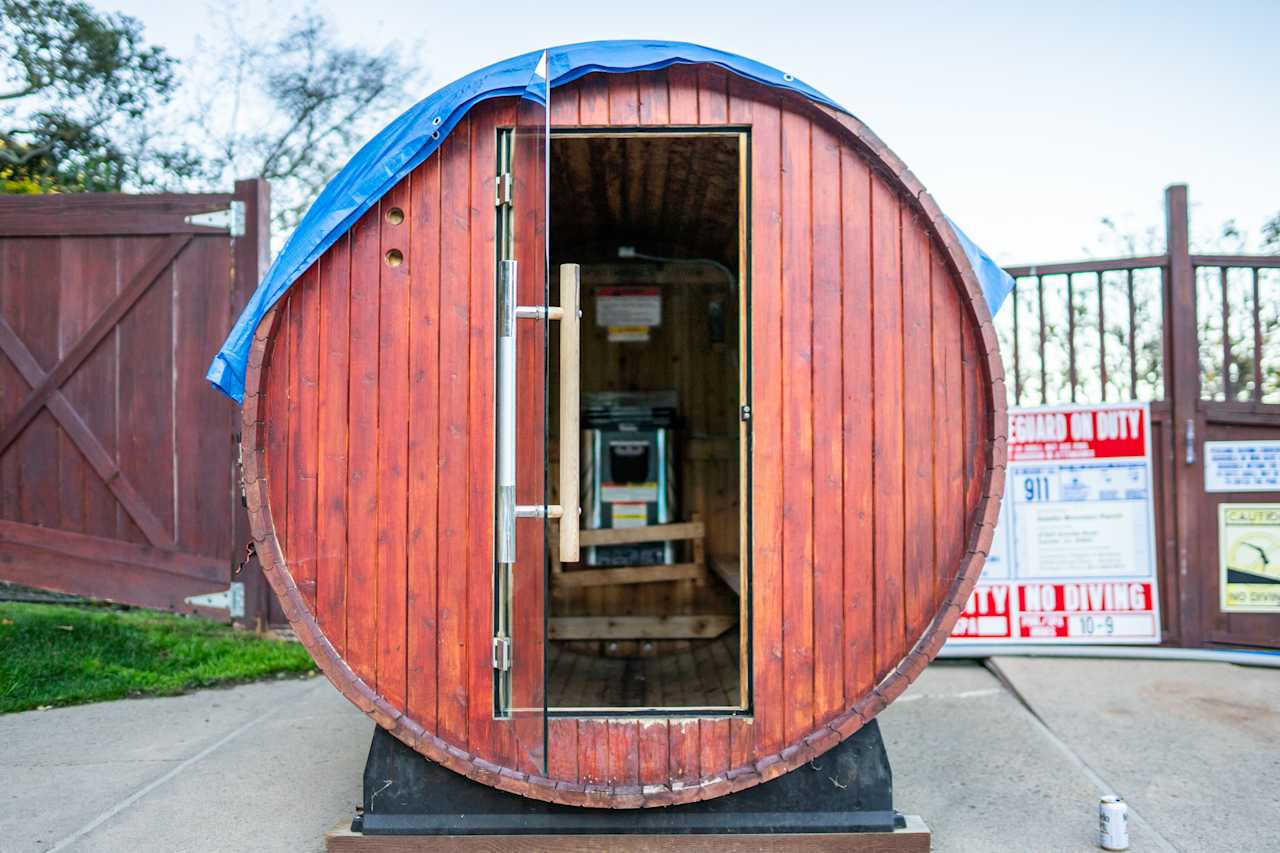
(502, 653)
(1191, 441)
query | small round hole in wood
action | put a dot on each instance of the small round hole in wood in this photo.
(395, 258)
(395, 216)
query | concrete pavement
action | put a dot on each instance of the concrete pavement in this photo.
(990, 764)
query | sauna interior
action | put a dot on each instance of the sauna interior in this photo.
(653, 615)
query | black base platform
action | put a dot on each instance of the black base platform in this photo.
(848, 789)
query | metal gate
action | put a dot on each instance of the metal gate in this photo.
(1196, 336)
(117, 461)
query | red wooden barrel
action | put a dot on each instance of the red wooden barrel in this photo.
(807, 275)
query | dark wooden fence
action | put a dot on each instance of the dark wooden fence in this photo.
(1196, 336)
(117, 461)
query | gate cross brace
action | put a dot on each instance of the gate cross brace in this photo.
(84, 439)
(107, 320)
(46, 391)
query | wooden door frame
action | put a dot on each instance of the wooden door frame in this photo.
(746, 667)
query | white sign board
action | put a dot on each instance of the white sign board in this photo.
(1073, 559)
(1242, 466)
(628, 306)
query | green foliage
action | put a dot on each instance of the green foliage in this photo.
(1271, 235)
(285, 100)
(76, 89)
(54, 655)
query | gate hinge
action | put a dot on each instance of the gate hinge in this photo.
(244, 499)
(230, 599)
(502, 191)
(232, 219)
(502, 653)
(744, 413)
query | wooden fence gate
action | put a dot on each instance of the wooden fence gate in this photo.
(1198, 337)
(117, 460)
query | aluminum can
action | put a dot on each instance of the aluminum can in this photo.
(1113, 823)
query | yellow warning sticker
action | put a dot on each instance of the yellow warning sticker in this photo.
(1249, 557)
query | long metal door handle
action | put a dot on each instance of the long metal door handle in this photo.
(506, 394)
(568, 315)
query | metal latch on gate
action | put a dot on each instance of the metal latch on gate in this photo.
(502, 653)
(502, 192)
(232, 219)
(230, 599)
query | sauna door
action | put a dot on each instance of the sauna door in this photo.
(524, 507)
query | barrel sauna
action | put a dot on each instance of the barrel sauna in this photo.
(796, 353)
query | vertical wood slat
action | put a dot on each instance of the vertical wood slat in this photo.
(624, 752)
(1228, 393)
(684, 750)
(682, 87)
(1257, 337)
(424, 220)
(654, 104)
(858, 407)
(828, 430)
(483, 736)
(72, 482)
(887, 466)
(713, 95)
(593, 100)
(713, 747)
(593, 752)
(145, 372)
(624, 99)
(797, 487)
(562, 749)
(90, 271)
(202, 479)
(331, 476)
(394, 341)
(277, 424)
(918, 421)
(362, 449)
(654, 749)
(1102, 334)
(767, 437)
(36, 323)
(304, 380)
(949, 482)
(454, 459)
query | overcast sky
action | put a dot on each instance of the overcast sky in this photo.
(1027, 121)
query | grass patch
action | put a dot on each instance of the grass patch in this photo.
(56, 654)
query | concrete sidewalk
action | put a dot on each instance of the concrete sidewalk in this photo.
(991, 765)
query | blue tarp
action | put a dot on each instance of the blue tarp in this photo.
(410, 139)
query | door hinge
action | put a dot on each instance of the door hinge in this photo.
(744, 413)
(502, 191)
(502, 653)
(230, 599)
(232, 219)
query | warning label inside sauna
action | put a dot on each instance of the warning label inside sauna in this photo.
(1073, 557)
(628, 307)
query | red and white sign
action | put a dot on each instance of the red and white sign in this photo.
(1073, 557)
